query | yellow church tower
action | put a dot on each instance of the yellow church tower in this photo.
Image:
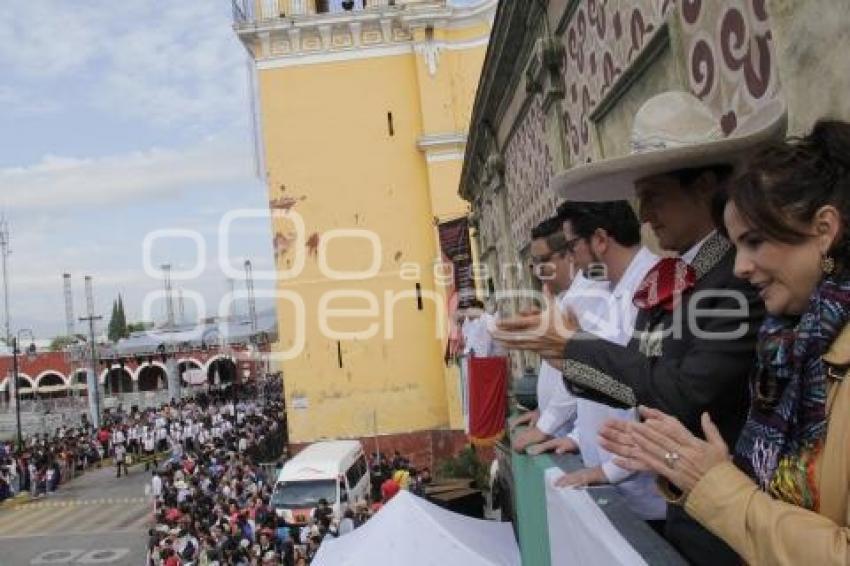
(363, 110)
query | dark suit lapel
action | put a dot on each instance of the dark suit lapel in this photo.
(654, 323)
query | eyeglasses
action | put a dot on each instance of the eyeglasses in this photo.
(559, 244)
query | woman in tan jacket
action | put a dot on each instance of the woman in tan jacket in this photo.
(782, 496)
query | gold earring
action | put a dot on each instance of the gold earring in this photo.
(827, 264)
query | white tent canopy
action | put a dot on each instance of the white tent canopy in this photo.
(413, 532)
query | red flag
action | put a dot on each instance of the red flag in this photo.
(488, 388)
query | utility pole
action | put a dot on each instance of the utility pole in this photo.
(94, 390)
(5, 251)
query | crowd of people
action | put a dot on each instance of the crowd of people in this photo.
(45, 461)
(213, 497)
(213, 500)
(213, 464)
(707, 385)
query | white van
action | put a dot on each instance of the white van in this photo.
(336, 471)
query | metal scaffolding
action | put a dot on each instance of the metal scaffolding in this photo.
(169, 296)
(5, 251)
(252, 303)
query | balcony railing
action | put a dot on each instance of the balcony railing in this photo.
(524, 494)
(252, 11)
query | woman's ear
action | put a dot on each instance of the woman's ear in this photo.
(826, 226)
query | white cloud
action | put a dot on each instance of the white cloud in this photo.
(49, 38)
(58, 181)
(167, 71)
(16, 102)
(165, 63)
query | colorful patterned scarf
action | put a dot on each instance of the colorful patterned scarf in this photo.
(787, 422)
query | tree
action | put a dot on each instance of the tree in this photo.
(122, 319)
(138, 326)
(59, 343)
(118, 328)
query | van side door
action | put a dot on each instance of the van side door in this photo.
(358, 478)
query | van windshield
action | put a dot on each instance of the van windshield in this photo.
(301, 494)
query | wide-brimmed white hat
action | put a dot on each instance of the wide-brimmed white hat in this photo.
(671, 131)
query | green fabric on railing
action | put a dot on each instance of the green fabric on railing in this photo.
(529, 501)
(529, 494)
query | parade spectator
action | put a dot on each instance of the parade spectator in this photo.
(120, 456)
(346, 525)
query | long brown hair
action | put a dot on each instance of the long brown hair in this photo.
(787, 182)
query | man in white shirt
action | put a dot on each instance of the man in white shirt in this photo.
(156, 485)
(552, 264)
(476, 337)
(118, 437)
(608, 238)
(119, 454)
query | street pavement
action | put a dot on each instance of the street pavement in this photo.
(95, 519)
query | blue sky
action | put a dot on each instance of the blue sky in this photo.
(118, 119)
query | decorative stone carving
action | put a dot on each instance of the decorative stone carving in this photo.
(354, 28)
(494, 169)
(387, 30)
(266, 44)
(326, 33)
(294, 39)
(431, 53)
(534, 76)
(551, 53)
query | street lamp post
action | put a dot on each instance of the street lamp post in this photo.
(15, 352)
(17, 392)
(94, 394)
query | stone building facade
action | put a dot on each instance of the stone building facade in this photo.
(563, 79)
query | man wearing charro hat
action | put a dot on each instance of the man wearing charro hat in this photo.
(695, 333)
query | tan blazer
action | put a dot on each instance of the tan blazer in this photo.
(770, 532)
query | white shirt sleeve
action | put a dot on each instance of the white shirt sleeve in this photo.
(560, 409)
(614, 473)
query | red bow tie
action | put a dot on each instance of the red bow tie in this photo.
(664, 285)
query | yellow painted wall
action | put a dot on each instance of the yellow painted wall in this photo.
(448, 96)
(441, 175)
(328, 147)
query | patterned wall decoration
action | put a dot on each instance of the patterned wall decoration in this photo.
(528, 167)
(727, 48)
(600, 42)
(730, 56)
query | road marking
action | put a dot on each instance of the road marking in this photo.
(57, 556)
(75, 502)
(103, 556)
(76, 556)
